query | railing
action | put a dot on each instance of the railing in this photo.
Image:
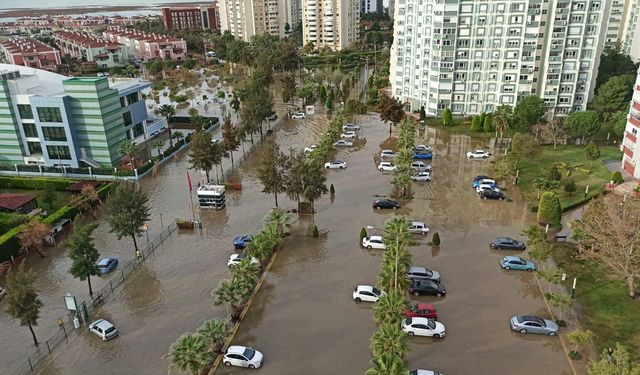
(86, 309)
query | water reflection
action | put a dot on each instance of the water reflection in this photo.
(142, 294)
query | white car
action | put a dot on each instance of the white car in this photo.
(310, 148)
(235, 259)
(298, 115)
(421, 177)
(387, 154)
(348, 135)
(423, 327)
(367, 293)
(478, 154)
(216, 141)
(373, 242)
(343, 143)
(386, 166)
(336, 164)
(418, 227)
(424, 372)
(481, 187)
(242, 356)
(422, 148)
(3, 292)
(350, 127)
(420, 166)
(103, 329)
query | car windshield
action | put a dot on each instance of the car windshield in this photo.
(431, 324)
(109, 330)
(407, 321)
(249, 353)
(414, 308)
(376, 291)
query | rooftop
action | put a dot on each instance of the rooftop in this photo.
(25, 46)
(142, 36)
(85, 40)
(15, 201)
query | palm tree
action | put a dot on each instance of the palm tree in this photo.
(402, 179)
(190, 353)
(390, 308)
(178, 135)
(501, 119)
(246, 273)
(131, 71)
(392, 273)
(389, 339)
(158, 144)
(263, 244)
(167, 110)
(215, 332)
(387, 364)
(128, 149)
(280, 219)
(231, 293)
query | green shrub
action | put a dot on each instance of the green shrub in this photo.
(9, 245)
(65, 212)
(36, 183)
(553, 173)
(592, 151)
(435, 240)
(549, 209)
(447, 117)
(616, 177)
(486, 125)
(332, 190)
(476, 124)
(363, 234)
(315, 231)
(570, 186)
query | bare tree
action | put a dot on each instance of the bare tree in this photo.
(33, 236)
(554, 130)
(609, 234)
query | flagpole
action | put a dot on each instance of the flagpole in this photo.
(193, 214)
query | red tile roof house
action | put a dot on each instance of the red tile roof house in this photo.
(30, 52)
(18, 203)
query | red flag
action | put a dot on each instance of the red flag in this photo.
(189, 181)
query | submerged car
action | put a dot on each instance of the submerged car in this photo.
(484, 181)
(492, 194)
(106, 265)
(336, 164)
(242, 356)
(427, 288)
(422, 155)
(422, 273)
(418, 227)
(298, 115)
(478, 154)
(310, 148)
(387, 154)
(351, 127)
(235, 259)
(534, 324)
(348, 135)
(374, 242)
(420, 166)
(241, 242)
(423, 327)
(421, 310)
(342, 143)
(103, 329)
(506, 243)
(387, 166)
(424, 372)
(517, 263)
(422, 177)
(385, 203)
(367, 293)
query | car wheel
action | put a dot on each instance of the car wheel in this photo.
(377, 207)
(507, 268)
(437, 336)
(552, 333)
(501, 199)
(416, 293)
(471, 157)
(369, 247)
(395, 208)
(342, 167)
(523, 331)
(484, 197)
(484, 157)
(327, 167)
(380, 169)
(251, 366)
(529, 269)
(358, 299)
(227, 364)
(411, 333)
(438, 294)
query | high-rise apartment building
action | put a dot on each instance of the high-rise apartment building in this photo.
(474, 55)
(333, 24)
(246, 18)
(190, 18)
(50, 119)
(630, 37)
(630, 142)
(371, 6)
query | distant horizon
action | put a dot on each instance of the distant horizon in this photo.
(52, 4)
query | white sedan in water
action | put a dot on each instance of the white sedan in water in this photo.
(367, 293)
(336, 164)
(478, 154)
(242, 356)
(343, 143)
(310, 148)
(348, 135)
(373, 242)
(422, 177)
(423, 327)
(298, 115)
(235, 259)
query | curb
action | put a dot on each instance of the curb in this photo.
(244, 312)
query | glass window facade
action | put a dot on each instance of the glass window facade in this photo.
(138, 130)
(25, 111)
(54, 133)
(30, 130)
(49, 114)
(127, 118)
(132, 98)
(58, 153)
(34, 148)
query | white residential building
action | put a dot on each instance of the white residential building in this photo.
(630, 36)
(334, 24)
(630, 143)
(474, 55)
(371, 6)
(246, 18)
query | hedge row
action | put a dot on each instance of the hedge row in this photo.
(36, 183)
(9, 245)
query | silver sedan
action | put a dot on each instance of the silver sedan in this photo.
(534, 324)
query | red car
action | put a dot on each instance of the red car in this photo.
(421, 310)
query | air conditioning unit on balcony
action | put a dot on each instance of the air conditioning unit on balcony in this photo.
(530, 70)
(451, 69)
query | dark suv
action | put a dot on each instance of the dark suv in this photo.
(427, 288)
(491, 194)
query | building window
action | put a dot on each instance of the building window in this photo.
(34, 148)
(132, 98)
(49, 114)
(53, 133)
(127, 118)
(138, 130)
(30, 130)
(58, 152)
(122, 102)
(25, 111)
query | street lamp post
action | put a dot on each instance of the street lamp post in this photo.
(395, 278)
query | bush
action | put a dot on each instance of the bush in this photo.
(447, 117)
(65, 212)
(592, 151)
(486, 125)
(570, 186)
(476, 125)
(435, 240)
(36, 183)
(332, 190)
(363, 234)
(553, 173)
(315, 231)
(616, 177)
(549, 209)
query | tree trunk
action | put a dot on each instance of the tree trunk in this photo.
(207, 173)
(231, 156)
(221, 171)
(217, 177)
(135, 243)
(555, 142)
(275, 195)
(169, 129)
(89, 282)
(37, 249)
(251, 133)
(33, 334)
(632, 286)
(389, 128)
(261, 135)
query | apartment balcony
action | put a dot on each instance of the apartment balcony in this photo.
(631, 137)
(636, 105)
(634, 121)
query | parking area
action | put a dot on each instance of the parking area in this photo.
(304, 320)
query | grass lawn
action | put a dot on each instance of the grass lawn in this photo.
(462, 126)
(62, 197)
(605, 306)
(538, 165)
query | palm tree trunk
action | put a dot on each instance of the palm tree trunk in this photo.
(276, 197)
(251, 133)
(135, 243)
(33, 334)
(169, 129)
(89, 282)
(231, 156)
(207, 173)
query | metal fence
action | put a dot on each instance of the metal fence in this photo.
(86, 309)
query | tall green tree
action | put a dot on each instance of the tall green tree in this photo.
(128, 149)
(502, 118)
(619, 123)
(447, 117)
(294, 180)
(487, 126)
(387, 364)
(215, 332)
(390, 308)
(314, 181)
(83, 253)
(549, 209)
(158, 144)
(476, 126)
(389, 339)
(592, 151)
(614, 63)
(280, 219)
(127, 210)
(190, 353)
(391, 111)
(620, 363)
(230, 138)
(33, 236)
(289, 88)
(614, 95)
(524, 145)
(529, 111)
(167, 110)
(22, 298)
(201, 152)
(272, 170)
(229, 293)
(583, 124)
